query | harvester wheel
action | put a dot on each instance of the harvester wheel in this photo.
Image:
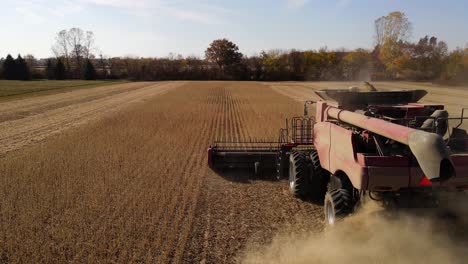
(338, 204)
(318, 178)
(299, 184)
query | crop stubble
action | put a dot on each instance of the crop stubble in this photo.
(25, 122)
(134, 186)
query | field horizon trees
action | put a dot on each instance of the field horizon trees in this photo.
(16, 69)
(394, 57)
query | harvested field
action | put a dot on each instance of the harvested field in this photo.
(23, 122)
(129, 182)
(20, 89)
(134, 186)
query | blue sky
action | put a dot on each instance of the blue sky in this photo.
(159, 27)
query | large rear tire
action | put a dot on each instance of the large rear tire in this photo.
(299, 184)
(337, 205)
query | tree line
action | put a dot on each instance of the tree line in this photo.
(393, 57)
(15, 69)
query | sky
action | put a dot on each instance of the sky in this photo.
(156, 28)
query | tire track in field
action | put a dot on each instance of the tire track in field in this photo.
(19, 133)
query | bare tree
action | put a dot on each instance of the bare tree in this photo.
(60, 48)
(76, 45)
(89, 46)
(76, 40)
(393, 27)
(30, 60)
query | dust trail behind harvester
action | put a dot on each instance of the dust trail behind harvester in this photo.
(373, 236)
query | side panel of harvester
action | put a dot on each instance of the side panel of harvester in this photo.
(336, 151)
(336, 146)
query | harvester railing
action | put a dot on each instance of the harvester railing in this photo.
(302, 130)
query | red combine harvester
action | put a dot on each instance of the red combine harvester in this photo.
(379, 143)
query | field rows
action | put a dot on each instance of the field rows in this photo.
(235, 209)
(129, 182)
(134, 186)
(25, 122)
(11, 90)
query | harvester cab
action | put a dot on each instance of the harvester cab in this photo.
(382, 143)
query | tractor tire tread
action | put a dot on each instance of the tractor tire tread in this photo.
(301, 186)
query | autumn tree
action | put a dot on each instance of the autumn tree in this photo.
(356, 65)
(391, 32)
(456, 66)
(275, 65)
(427, 58)
(223, 53)
(393, 27)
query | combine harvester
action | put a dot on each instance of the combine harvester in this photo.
(378, 143)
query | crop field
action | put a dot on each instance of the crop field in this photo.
(18, 89)
(118, 174)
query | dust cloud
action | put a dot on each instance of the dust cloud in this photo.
(374, 235)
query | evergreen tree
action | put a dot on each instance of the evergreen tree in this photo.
(50, 70)
(89, 71)
(59, 70)
(22, 69)
(9, 68)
